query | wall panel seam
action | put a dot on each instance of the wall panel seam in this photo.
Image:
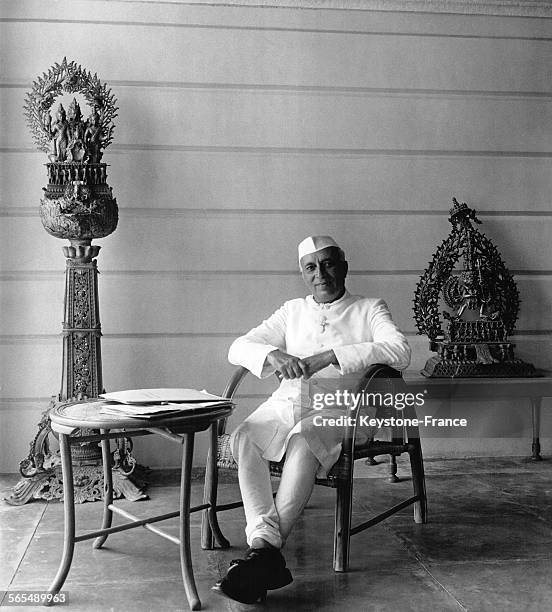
(27, 405)
(21, 400)
(312, 151)
(6, 339)
(49, 275)
(323, 31)
(472, 8)
(317, 89)
(137, 212)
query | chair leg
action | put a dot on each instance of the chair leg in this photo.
(393, 469)
(108, 490)
(207, 538)
(418, 480)
(342, 533)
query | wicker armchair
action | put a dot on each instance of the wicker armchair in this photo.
(340, 476)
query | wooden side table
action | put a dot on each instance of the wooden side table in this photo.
(533, 388)
(68, 418)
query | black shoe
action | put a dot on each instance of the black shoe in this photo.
(248, 579)
(242, 594)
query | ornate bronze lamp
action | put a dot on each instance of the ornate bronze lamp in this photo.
(78, 205)
(480, 306)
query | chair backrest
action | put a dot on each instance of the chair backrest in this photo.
(382, 380)
(378, 378)
(377, 370)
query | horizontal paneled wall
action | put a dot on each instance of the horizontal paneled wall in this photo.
(192, 305)
(243, 129)
(248, 241)
(328, 122)
(279, 47)
(239, 181)
(167, 361)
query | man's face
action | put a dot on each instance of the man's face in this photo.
(324, 274)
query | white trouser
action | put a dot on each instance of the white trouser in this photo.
(268, 518)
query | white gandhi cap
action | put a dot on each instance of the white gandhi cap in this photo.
(315, 243)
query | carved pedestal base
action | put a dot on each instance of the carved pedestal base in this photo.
(88, 481)
(41, 470)
(436, 367)
(81, 378)
(472, 359)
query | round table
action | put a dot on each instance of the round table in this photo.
(69, 418)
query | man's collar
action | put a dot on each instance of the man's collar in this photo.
(324, 305)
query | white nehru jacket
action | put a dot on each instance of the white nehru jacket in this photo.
(360, 331)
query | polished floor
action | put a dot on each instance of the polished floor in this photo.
(487, 547)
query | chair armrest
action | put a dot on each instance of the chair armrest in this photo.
(376, 371)
(239, 374)
(231, 387)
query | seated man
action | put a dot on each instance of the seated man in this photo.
(327, 335)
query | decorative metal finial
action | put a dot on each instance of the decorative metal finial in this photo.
(56, 135)
(78, 203)
(460, 212)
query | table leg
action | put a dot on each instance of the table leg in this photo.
(69, 515)
(108, 490)
(536, 414)
(185, 495)
(211, 529)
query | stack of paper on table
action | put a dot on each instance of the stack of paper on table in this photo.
(150, 403)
